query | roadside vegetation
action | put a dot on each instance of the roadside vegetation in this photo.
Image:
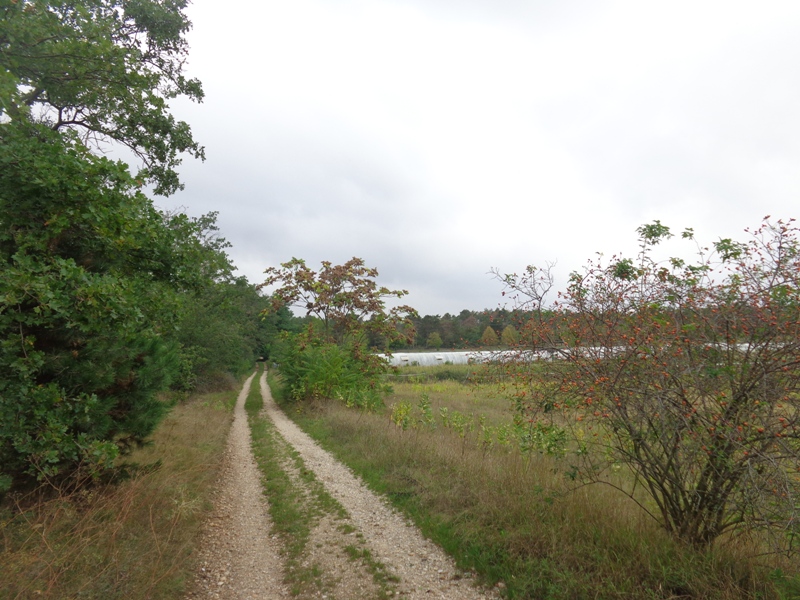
(106, 302)
(682, 374)
(299, 505)
(512, 516)
(441, 372)
(651, 439)
(135, 535)
(332, 357)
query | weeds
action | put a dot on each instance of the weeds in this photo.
(493, 494)
(133, 539)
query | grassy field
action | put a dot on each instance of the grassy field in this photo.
(127, 541)
(437, 451)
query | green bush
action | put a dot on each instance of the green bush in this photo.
(312, 370)
(87, 288)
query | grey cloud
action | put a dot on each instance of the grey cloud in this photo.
(567, 147)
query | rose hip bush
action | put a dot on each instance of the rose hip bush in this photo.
(677, 379)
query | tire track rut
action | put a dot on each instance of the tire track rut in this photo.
(241, 559)
(424, 570)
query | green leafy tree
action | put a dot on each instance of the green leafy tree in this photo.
(434, 340)
(425, 326)
(86, 294)
(510, 336)
(91, 272)
(275, 323)
(687, 375)
(220, 333)
(219, 330)
(104, 71)
(348, 308)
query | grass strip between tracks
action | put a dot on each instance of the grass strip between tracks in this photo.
(297, 503)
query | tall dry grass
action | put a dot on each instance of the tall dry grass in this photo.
(133, 539)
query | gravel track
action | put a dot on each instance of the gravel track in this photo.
(240, 560)
(423, 568)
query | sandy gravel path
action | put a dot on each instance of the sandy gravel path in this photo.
(239, 557)
(241, 560)
(423, 568)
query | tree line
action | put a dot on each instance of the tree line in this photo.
(106, 302)
(467, 329)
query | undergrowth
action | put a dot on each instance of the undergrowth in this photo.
(127, 540)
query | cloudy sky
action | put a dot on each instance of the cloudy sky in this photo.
(437, 139)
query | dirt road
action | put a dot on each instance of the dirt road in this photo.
(242, 560)
(239, 557)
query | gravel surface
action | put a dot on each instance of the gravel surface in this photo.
(423, 568)
(239, 557)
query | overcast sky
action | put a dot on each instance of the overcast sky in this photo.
(437, 139)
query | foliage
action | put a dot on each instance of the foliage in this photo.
(489, 337)
(345, 298)
(684, 374)
(434, 340)
(87, 268)
(103, 70)
(219, 331)
(94, 278)
(464, 330)
(514, 518)
(313, 369)
(510, 336)
(138, 536)
(330, 359)
(272, 324)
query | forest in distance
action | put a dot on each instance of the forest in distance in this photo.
(469, 329)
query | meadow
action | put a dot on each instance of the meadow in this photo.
(446, 451)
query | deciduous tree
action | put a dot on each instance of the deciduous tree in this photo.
(434, 340)
(509, 336)
(90, 272)
(331, 357)
(345, 298)
(87, 292)
(686, 376)
(102, 71)
(489, 337)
